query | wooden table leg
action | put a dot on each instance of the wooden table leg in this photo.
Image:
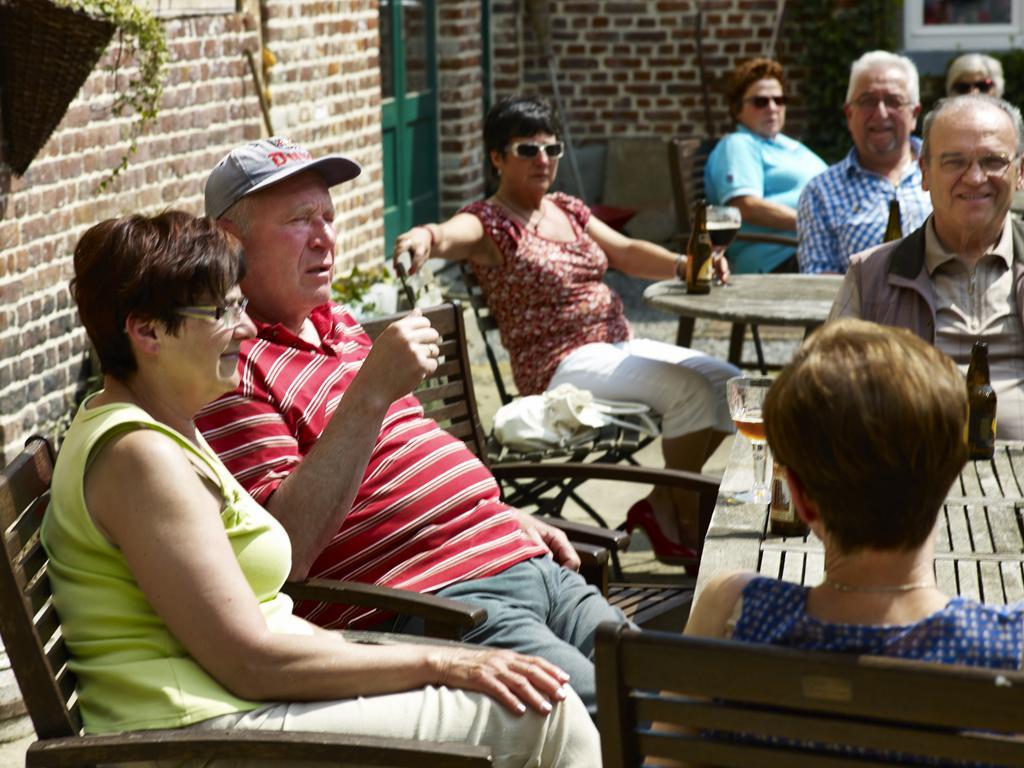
(736, 336)
(684, 333)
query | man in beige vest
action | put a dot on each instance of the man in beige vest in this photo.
(960, 276)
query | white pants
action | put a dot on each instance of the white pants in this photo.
(565, 738)
(685, 386)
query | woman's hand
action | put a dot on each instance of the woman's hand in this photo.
(418, 243)
(511, 678)
(720, 266)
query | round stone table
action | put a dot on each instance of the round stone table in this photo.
(793, 300)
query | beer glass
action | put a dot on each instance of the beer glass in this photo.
(723, 223)
(746, 399)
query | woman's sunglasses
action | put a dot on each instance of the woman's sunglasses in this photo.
(984, 86)
(761, 102)
(529, 149)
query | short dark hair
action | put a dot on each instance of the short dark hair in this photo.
(871, 419)
(149, 266)
(518, 116)
(748, 73)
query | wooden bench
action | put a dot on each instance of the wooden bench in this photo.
(31, 633)
(741, 704)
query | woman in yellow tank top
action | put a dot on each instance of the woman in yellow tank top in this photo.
(167, 575)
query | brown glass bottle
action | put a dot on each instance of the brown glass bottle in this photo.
(698, 252)
(782, 517)
(894, 226)
(981, 405)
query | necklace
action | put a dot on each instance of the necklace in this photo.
(522, 214)
(840, 586)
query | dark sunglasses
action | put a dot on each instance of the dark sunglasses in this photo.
(761, 102)
(982, 85)
(529, 149)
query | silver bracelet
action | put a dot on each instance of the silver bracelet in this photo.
(680, 267)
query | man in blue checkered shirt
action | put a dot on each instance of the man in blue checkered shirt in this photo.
(845, 209)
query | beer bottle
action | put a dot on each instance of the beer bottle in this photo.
(698, 252)
(782, 517)
(981, 405)
(893, 227)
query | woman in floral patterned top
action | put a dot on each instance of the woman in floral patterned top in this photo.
(541, 258)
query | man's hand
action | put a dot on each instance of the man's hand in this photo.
(552, 539)
(720, 267)
(404, 353)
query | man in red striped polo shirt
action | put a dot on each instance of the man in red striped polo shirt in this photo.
(323, 431)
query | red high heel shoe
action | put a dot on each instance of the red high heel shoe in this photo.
(641, 515)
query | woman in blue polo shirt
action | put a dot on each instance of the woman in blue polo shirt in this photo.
(758, 169)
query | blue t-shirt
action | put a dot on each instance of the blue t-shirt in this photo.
(776, 170)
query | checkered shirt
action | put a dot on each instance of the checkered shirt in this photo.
(845, 209)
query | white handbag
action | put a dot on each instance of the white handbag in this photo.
(564, 417)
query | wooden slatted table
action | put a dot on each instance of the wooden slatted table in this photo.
(979, 543)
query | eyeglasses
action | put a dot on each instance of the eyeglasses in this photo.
(990, 165)
(891, 101)
(227, 316)
(529, 149)
(984, 86)
(760, 102)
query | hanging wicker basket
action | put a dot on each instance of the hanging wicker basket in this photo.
(46, 53)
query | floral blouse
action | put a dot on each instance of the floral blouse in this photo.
(547, 297)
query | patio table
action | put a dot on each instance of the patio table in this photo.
(789, 300)
(979, 547)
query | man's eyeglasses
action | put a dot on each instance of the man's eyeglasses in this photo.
(984, 86)
(991, 165)
(891, 101)
(761, 102)
(228, 315)
(529, 149)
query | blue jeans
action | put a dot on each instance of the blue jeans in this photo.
(539, 608)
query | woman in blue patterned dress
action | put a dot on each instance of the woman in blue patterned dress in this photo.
(869, 423)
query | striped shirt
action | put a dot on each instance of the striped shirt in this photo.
(844, 211)
(427, 513)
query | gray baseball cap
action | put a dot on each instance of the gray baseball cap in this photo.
(262, 163)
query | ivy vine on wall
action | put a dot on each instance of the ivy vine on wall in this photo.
(139, 34)
(829, 36)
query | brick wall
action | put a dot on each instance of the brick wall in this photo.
(460, 103)
(326, 93)
(629, 67)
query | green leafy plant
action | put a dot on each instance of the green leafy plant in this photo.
(828, 36)
(353, 289)
(139, 34)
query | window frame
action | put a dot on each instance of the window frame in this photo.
(971, 37)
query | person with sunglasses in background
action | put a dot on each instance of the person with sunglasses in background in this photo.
(845, 209)
(540, 259)
(975, 73)
(959, 278)
(758, 169)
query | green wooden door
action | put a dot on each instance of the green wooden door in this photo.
(408, 115)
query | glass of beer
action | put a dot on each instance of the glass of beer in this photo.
(746, 398)
(723, 223)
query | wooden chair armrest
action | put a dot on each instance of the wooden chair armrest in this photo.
(705, 485)
(676, 478)
(593, 565)
(283, 747)
(581, 533)
(443, 617)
